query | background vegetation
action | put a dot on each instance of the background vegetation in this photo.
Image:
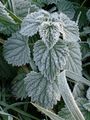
(14, 103)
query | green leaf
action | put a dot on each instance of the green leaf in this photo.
(50, 62)
(8, 29)
(49, 32)
(18, 87)
(41, 90)
(22, 7)
(88, 14)
(65, 114)
(83, 18)
(85, 51)
(50, 114)
(31, 22)
(86, 31)
(4, 16)
(16, 50)
(7, 72)
(66, 7)
(74, 58)
(23, 113)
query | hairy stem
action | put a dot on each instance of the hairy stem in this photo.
(68, 97)
(77, 78)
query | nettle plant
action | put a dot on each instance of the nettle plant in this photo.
(48, 43)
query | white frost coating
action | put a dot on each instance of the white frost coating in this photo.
(50, 62)
(31, 22)
(87, 106)
(88, 93)
(68, 97)
(66, 7)
(41, 90)
(74, 58)
(50, 26)
(88, 14)
(77, 78)
(70, 29)
(49, 32)
(21, 7)
(78, 90)
(16, 50)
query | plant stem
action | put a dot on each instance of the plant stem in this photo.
(68, 97)
(17, 19)
(83, 3)
(77, 78)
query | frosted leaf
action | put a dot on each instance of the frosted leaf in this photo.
(87, 106)
(65, 114)
(79, 90)
(49, 32)
(68, 28)
(16, 50)
(41, 90)
(88, 14)
(8, 29)
(50, 62)
(22, 7)
(50, 1)
(31, 22)
(66, 7)
(4, 15)
(88, 93)
(74, 58)
(50, 25)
